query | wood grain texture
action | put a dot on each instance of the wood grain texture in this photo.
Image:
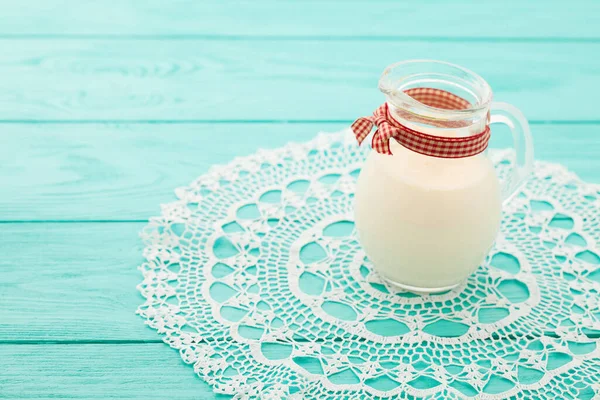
(71, 282)
(98, 371)
(272, 79)
(123, 172)
(269, 18)
(119, 172)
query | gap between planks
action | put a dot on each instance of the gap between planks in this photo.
(373, 38)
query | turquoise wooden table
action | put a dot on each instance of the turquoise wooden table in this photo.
(106, 107)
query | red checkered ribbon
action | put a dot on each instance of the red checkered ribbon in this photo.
(423, 143)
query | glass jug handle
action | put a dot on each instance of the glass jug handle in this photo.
(504, 113)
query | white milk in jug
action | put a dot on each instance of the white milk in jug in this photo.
(426, 223)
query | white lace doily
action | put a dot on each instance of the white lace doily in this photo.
(255, 275)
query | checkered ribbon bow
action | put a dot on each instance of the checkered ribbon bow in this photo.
(435, 146)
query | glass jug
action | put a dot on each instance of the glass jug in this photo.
(427, 222)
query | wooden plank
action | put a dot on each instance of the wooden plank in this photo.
(119, 172)
(272, 79)
(71, 282)
(123, 172)
(98, 371)
(141, 371)
(271, 18)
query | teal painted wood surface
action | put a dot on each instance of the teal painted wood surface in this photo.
(123, 172)
(98, 371)
(77, 284)
(199, 84)
(76, 80)
(552, 19)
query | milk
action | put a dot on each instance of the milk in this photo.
(426, 223)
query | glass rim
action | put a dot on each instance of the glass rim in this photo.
(386, 85)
